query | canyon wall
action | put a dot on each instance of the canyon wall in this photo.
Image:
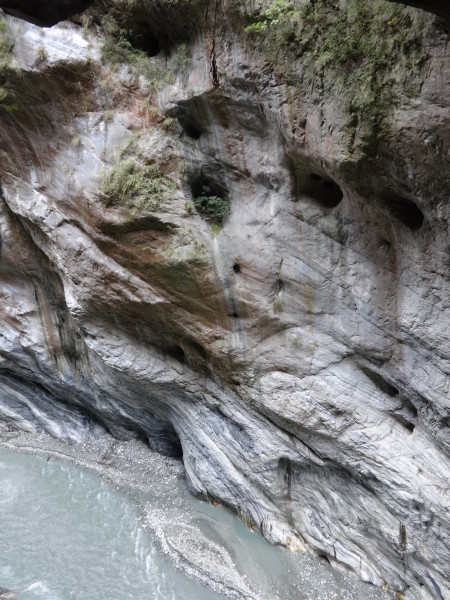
(294, 348)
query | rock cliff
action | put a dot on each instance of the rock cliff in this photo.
(226, 230)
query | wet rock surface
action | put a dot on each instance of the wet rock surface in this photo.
(297, 358)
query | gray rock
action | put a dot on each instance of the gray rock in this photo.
(7, 594)
(299, 357)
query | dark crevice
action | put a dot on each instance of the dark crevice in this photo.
(404, 422)
(285, 475)
(319, 187)
(177, 353)
(165, 440)
(380, 382)
(404, 210)
(189, 117)
(143, 38)
(315, 177)
(237, 268)
(189, 128)
(203, 181)
(211, 197)
(409, 407)
(325, 191)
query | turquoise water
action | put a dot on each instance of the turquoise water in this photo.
(66, 534)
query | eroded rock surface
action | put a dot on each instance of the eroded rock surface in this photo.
(298, 358)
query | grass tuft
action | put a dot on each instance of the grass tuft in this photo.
(138, 187)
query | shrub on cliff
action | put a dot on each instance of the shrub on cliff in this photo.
(132, 185)
(211, 206)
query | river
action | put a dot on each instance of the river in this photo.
(121, 525)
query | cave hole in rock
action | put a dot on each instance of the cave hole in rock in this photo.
(143, 38)
(404, 210)
(189, 119)
(174, 448)
(315, 177)
(404, 422)
(285, 476)
(409, 408)
(210, 197)
(380, 382)
(161, 437)
(237, 268)
(189, 127)
(406, 414)
(177, 353)
(319, 187)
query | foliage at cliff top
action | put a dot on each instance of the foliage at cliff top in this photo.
(365, 47)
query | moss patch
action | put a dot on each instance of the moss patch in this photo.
(367, 53)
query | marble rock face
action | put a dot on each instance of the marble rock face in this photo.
(297, 358)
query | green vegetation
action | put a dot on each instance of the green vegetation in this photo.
(7, 97)
(365, 31)
(42, 53)
(117, 49)
(6, 44)
(212, 207)
(181, 59)
(277, 305)
(360, 49)
(136, 186)
(216, 228)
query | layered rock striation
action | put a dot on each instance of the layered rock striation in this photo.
(294, 350)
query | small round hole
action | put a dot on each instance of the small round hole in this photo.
(236, 268)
